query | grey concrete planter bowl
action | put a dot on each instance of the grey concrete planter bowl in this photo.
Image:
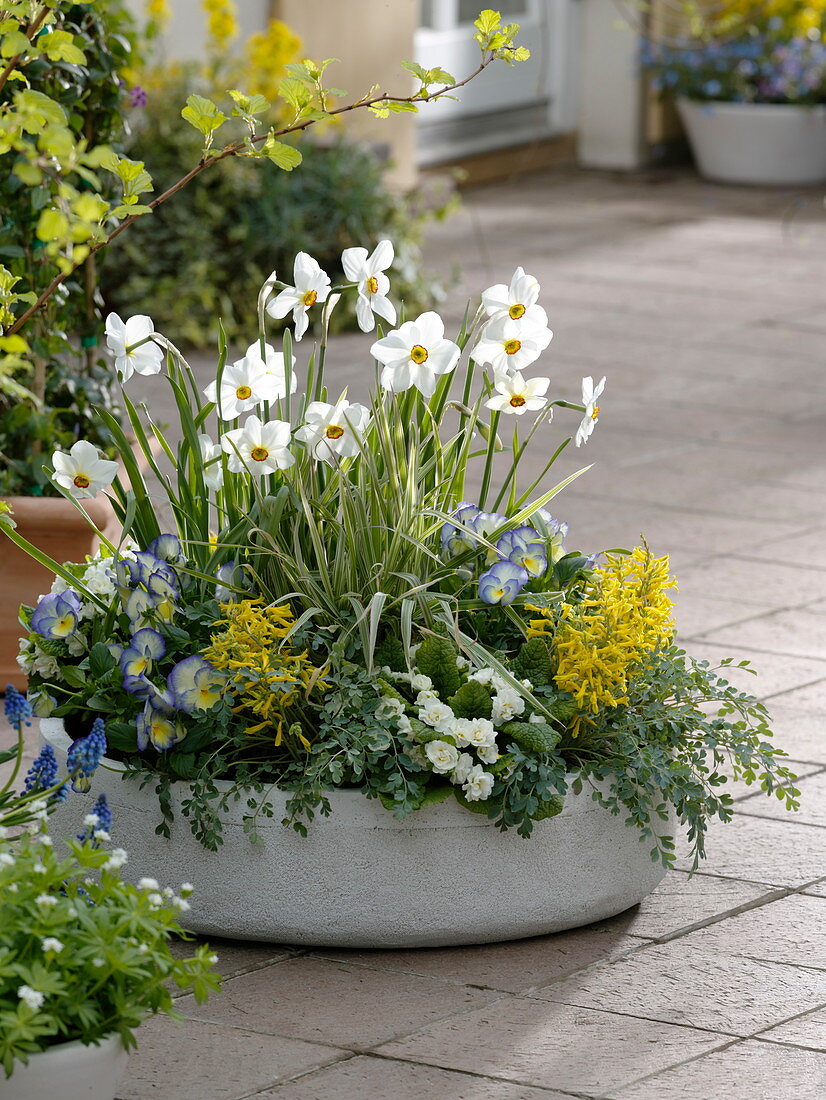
(362, 878)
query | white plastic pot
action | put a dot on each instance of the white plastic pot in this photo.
(363, 878)
(776, 144)
(70, 1071)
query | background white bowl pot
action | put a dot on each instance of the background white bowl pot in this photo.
(363, 878)
(70, 1071)
(777, 144)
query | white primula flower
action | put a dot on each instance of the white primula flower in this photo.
(478, 732)
(420, 682)
(488, 753)
(478, 785)
(121, 338)
(257, 447)
(507, 704)
(335, 431)
(515, 395)
(482, 675)
(416, 354)
(367, 272)
(82, 471)
(437, 715)
(590, 396)
(31, 997)
(211, 461)
(511, 345)
(404, 725)
(514, 301)
(442, 755)
(311, 285)
(426, 695)
(390, 707)
(464, 766)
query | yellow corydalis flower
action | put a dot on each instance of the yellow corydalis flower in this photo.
(601, 642)
(222, 23)
(267, 55)
(264, 673)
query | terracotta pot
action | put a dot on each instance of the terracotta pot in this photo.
(54, 526)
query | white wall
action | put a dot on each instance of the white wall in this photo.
(186, 34)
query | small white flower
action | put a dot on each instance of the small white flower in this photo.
(75, 643)
(416, 354)
(82, 471)
(6, 860)
(367, 272)
(121, 338)
(168, 892)
(187, 888)
(462, 663)
(97, 961)
(515, 395)
(442, 755)
(143, 949)
(148, 884)
(537, 719)
(311, 285)
(590, 396)
(211, 462)
(91, 821)
(335, 431)
(155, 900)
(39, 868)
(116, 860)
(478, 785)
(181, 904)
(31, 997)
(437, 715)
(514, 301)
(420, 682)
(45, 840)
(257, 447)
(101, 835)
(213, 959)
(52, 944)
(38, 805)
(45, 901)
(464, 767)
(511, 345)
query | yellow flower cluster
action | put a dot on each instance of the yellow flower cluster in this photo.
(801, 18)
(265, 674)
(601, 642)
(158, 11)
(222, 23)
(267, 55)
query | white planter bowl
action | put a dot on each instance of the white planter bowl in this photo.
(363, 878)
(70, 1071)
(777, 144)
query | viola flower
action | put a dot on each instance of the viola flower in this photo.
(244, 386)
(416, 354)
(515, 301)
(57, 615)
(454, 540)
(515, 395)
(335, 431)
(195, 684)
(257, 447)
(139, 608)
(85, 754)
(524, 546)
(122, 338)
(82, 471)
(147, 646)
(590, 396)
(511, 345)
(166, 548)
(502, 583)
(311, 285)
(230, 576)
(367, 272)
(158, 729)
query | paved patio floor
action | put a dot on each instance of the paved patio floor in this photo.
(703, 306)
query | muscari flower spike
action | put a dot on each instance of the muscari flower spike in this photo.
(102, 812)
(17, 707)
(85, 755)
(43, 772)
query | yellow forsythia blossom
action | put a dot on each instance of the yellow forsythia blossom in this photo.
(601, 642)
(158, 11)
(222, 23)
(267, 54)
(801, 18)
(266, 676)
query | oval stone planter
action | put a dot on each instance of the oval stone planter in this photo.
(363, 878)
(71, 1071)
(776, 144)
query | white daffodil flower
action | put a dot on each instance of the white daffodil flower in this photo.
(333, 431)
(121, 338)
(258, 447)
(211, 460)
(311, 285)
(367, 272)
(511, 345)
(82, 471)
(514, 301)
(590, 396)
(515, 395)
(416, 354)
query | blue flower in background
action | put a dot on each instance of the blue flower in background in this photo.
(56, 615)
(43, 772)
(101, 811)
(17, 707)
(502, 583)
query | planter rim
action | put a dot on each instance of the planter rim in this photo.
(105, 1043)
(45, 511)
(765, 108)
